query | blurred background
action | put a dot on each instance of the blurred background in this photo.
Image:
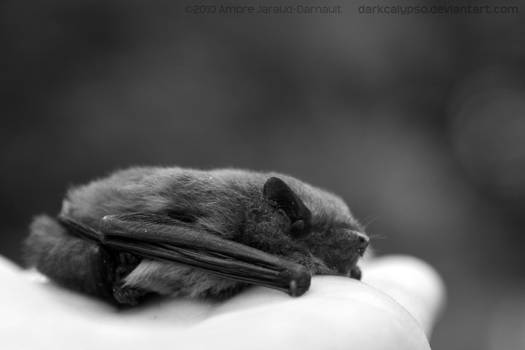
(417, 121)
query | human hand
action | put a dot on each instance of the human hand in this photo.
(394, 308)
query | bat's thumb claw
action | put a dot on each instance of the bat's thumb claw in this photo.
(299, 281)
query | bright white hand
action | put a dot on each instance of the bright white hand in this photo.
(393, 309)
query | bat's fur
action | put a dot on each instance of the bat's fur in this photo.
(226, 202)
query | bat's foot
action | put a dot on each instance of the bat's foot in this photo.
(125, 263)
(125, 295)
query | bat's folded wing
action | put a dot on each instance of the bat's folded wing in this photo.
(159, 238)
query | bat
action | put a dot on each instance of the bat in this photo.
(196, 233)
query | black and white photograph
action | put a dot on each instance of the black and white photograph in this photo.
(230, 175)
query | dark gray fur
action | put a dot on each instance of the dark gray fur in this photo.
(226, 202)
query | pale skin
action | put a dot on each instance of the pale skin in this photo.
(394, 307)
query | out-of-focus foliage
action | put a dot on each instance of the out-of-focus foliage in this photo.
(417, 121)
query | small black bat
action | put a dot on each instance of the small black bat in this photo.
(195, 233)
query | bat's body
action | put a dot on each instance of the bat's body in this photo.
(296, 228)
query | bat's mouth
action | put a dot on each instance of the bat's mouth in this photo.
(351, 270)
(205, 251)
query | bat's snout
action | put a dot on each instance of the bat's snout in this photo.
(362, 242)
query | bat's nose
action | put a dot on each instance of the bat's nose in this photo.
(363, 239)
(363, 242)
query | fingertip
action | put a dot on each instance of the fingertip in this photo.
(411, 282)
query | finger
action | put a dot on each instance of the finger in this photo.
(337, 313)
(410, 282)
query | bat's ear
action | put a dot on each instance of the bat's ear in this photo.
(281, 196)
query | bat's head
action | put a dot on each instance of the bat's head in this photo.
(307, 225)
